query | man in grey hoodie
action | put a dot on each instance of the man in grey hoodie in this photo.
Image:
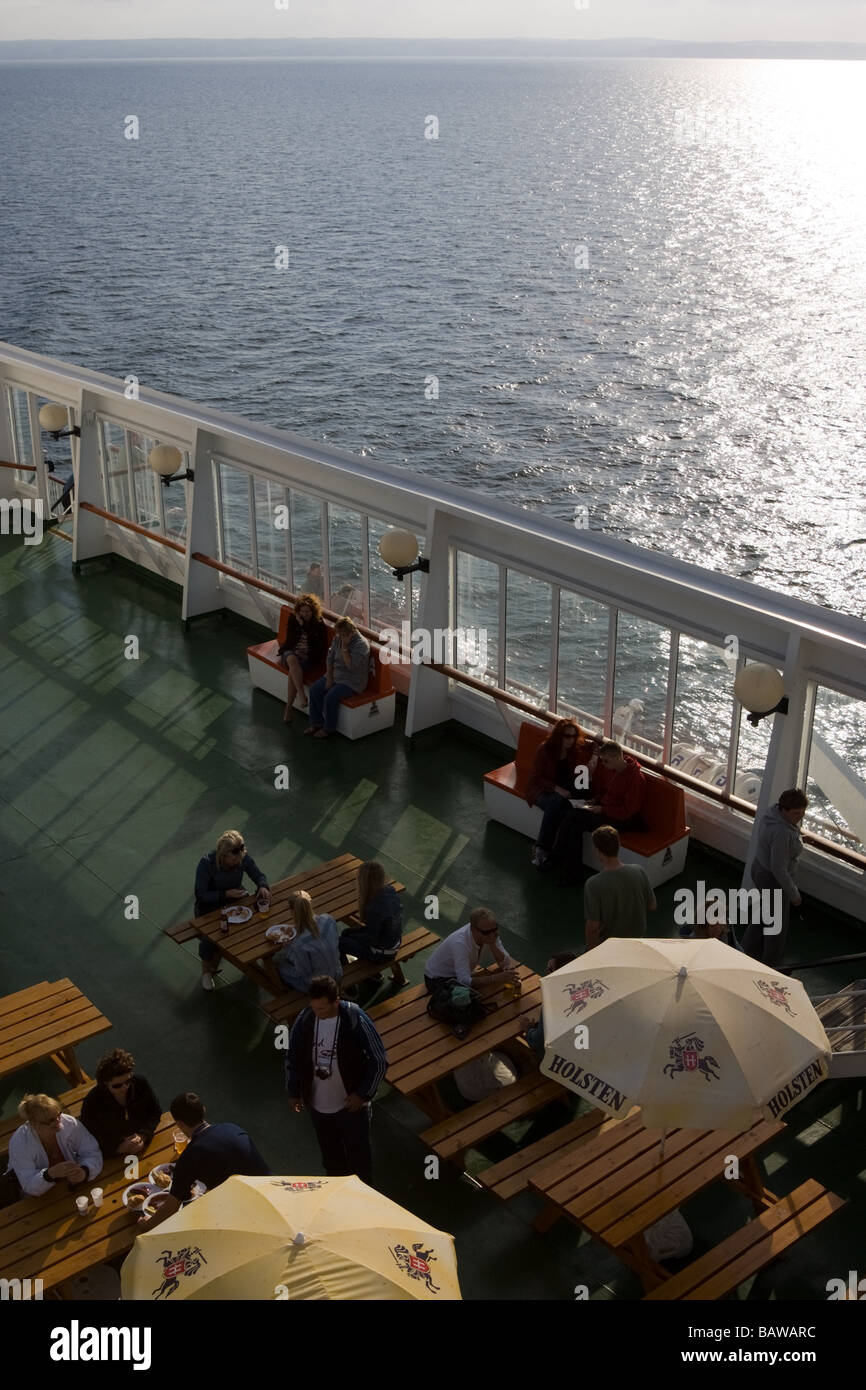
(775, 867)
(347, 673)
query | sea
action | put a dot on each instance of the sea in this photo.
(625, 290)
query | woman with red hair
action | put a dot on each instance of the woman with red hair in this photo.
(551, 781)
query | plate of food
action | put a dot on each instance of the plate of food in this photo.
(160, 1177)
(153, 1203)
(282, 933)
(236, 915)
(137, 1194)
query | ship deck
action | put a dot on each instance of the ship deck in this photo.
(119, 774)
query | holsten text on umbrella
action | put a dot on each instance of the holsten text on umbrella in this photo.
(586, 1081)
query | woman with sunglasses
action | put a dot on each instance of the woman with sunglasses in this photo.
(551, 782)
(304, 649)
(122, 1111)
(218, 880)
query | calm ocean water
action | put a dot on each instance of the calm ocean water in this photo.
(639, 283)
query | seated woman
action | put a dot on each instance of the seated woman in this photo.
(305, 647)
(551, 782)
(51, 1146)
(121, 1112)
(382, 916)
(314, 951)
(347, 673)
(218, 880)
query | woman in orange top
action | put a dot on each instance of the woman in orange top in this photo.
(551, 782)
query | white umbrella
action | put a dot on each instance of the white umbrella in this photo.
(695, 1033)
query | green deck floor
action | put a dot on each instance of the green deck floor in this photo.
(118, 774)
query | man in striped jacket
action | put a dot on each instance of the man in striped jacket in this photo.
(334, 1066)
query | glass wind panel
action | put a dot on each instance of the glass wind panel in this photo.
(236, 524)
(584, 626)
(347, 566)
(836, 780)
(387, 595)
(271, 505)
(19, 415)
(528, 638)
(112, 441)
(307, 576)
(703, 711)
(640, 684)
(477, 612)
(145, 481)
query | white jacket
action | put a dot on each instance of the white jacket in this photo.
(27, 1156)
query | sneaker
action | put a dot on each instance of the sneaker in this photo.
(539, 856)
(207, 981)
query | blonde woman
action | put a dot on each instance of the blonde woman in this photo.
(304, 649)
(314, 951)
(50, 1147)
(218, 880)
(378, 939)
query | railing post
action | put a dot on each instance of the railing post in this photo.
(201, 585)
(88, 530)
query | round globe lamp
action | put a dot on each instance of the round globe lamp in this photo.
(399, 549)
(53, 418)
(760, 689)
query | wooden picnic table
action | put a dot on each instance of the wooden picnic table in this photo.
(616, 1184)
(333, 887)
(422, 1051)
(47, 1020)
(45, 1238)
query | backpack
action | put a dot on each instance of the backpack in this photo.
(459, 1006)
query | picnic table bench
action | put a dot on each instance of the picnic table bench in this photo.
(45, 1238)
(748, 1250)
(287, 1005)
(450, 1138)
(333, 887)
(422, 1051)
(616, 1183)
(47, 1020)
(514, 1174)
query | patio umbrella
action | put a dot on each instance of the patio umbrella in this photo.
(699, 1035)
(292, 1238)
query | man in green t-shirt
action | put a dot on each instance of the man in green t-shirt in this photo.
(616, 901)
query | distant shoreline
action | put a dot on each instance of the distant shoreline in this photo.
(430, 50)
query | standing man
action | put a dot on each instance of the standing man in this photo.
(214, 1153)
(456, 960)
(617, 900)
(774, 867)
(334, 1066)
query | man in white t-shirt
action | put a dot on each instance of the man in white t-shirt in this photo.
(457, 958)
(334, 1066)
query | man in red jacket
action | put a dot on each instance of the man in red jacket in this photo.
(618, 787)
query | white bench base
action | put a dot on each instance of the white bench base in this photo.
(352, 721)
(513, 811)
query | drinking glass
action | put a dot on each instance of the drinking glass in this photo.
(180, 1141)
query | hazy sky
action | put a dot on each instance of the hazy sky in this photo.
(668, 19)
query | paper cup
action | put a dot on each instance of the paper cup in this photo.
(96, 1196)
(81, 1204)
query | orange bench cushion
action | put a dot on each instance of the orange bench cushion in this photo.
(514, 777)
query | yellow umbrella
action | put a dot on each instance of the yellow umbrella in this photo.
(289, 1238)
